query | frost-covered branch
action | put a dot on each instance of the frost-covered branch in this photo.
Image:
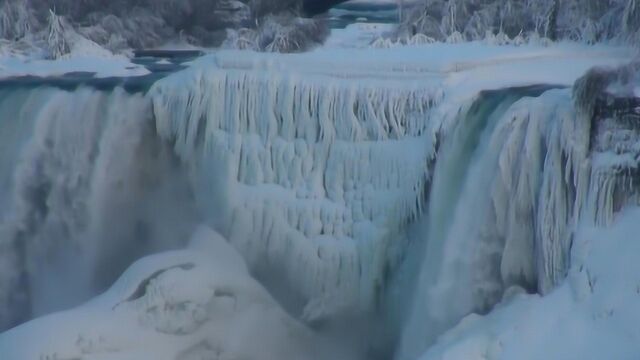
(59, 36)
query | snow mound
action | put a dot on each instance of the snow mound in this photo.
(61, 49)
(189, 304)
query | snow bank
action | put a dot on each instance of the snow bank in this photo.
(189, 304)
(509, 183)
(63, 50)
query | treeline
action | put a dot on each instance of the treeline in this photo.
(588, 21)
(118, 25)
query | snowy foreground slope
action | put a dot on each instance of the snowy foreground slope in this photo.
(197, 303)
(317, 168)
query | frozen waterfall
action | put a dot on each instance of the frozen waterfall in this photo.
(500, 210)
(329, 183)
(93, 189)
(313, 183)
(315, 178)
(520, 172)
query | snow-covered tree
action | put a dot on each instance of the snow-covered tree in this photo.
(59, 36)
(588, 21)
(16, 19)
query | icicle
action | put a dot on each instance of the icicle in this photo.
(530, 154)
(331, 168)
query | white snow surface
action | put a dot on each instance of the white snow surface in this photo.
(85, 56)
(195, 303)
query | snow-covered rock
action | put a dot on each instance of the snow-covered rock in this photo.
(197, 303)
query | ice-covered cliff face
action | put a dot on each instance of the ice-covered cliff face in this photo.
(312, 177)
(519, 160)
(82, 175)
(598, 298)
(195, 303)
(314, 167)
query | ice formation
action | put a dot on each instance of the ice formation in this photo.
(521, 173)
(549, 164)
(81, 175)
(319, 173)
(313, 167)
